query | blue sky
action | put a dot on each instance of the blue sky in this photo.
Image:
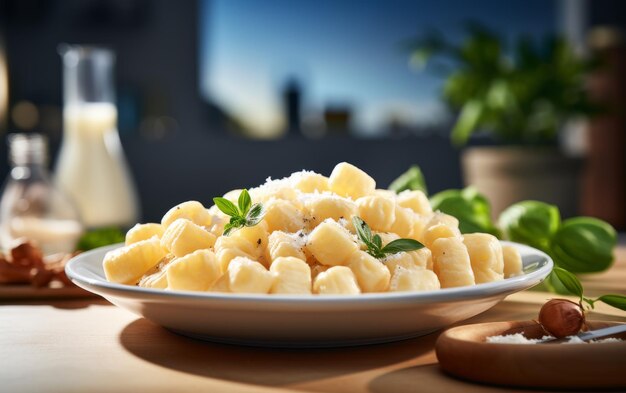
(343, 52)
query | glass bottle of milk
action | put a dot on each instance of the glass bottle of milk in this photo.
(31, 207)
(91, 167)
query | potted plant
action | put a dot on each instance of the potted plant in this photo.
(520, 97)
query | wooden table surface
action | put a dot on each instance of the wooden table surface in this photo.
(90, 346)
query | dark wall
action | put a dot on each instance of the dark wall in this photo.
(156, 42)
(201, 166)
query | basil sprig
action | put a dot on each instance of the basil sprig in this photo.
(244, 215)
(374, 243)
(573, 285)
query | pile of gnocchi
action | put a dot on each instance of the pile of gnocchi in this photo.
(306, 243)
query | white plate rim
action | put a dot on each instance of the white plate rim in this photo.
(486, 290)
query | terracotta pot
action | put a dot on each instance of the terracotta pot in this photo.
(511, 174)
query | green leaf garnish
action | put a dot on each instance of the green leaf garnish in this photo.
(573, 285)
(226, 206)
(244, 215)
(374, 243)
(255, 214)
(569, 281)
(400, 245)
(244, 202)
(617, 301)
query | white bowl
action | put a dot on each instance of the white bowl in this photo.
(305, 321)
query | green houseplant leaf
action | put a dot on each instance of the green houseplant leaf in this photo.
(412, 179)
(518, 94)
(467, 122)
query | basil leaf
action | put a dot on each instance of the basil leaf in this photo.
(228, 228)
(584, 245)
(378, 242)
(226, 206)
(362, 230)
(413, 180)
(569, 281)
(617, 301)
(401, 245)
(257, 211)
(255, 215)
(244, 202)
(530, 222)
(469, 206)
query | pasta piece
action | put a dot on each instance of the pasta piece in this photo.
(256, 235)
(451, 262)
(403, 224)
(197, 271)
(191, 210)
(413, 280)
(512, 261)
(218, 221)
(331, 244)
(486, 258)
(126, 265)
(370, 273)
(268, 192)
(322, 207)
(292, 276)
(418, 227)
(440, 226)
(310, 182)
(248, 276)
(183, 237)
(338, 280)
(157, 276)
(378, 212)
(156, 280)
(281, 244)
(143, 232)
(419, 259)
(233, 195)
(385, 193)
(317, 268)
(349, 181)
(222, 284)
(416, 201)
(423, 257)
(281, 215)
(229, 247)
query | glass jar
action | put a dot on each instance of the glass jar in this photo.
(91, 167)
(31, 206)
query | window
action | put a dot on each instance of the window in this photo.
(311, 65)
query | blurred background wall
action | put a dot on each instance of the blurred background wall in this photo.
(187, 109)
